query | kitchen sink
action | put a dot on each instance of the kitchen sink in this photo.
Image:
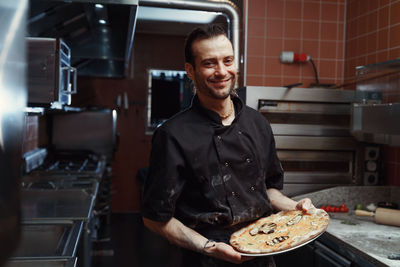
(90, 185)
(45, 240)
(60, 204)
(42, 263)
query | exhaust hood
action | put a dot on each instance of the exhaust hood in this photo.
(100, 33)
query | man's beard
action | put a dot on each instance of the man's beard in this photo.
(213, 93)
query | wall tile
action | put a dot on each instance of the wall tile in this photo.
(274, 28)
(311, 48)
(311, 11)
(291, 70)
(273, 47)
(256, 27)
(383, 17)
(255, 65)
(274, 81)
(328, 31)
(311, 30)
(372, 21)
(293, 10)
(394, 35)
(255, 46)
(275, 8)
(292, 45)
(329, 12)
(292, 29)
(255, 80)
(273, 66)
(383, 39)
(257, 8)
(395, 13)
(328, 50)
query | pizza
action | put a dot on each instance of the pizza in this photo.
(280, 231)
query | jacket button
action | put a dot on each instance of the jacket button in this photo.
(226, 164)
(239, 132)
(219, 137)
(248, 160)
(252, 188)
(234, 193)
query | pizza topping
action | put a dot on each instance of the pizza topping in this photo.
(265, 228)
(254, 231)
(277, 240)
(294, 220)
(268, 228)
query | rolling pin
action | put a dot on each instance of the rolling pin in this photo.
(382, 216)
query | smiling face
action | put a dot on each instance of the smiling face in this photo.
(214, 70)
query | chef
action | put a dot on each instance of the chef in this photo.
(213, 167)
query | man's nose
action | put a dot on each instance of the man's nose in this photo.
(221, 69)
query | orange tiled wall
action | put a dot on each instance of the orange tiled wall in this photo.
(315, 27)
(373, 35)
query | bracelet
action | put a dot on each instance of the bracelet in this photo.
(208, 242)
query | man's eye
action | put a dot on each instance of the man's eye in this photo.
(208, 63)
(228, 61)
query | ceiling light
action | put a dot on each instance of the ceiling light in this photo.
(98, 5)
(102, 21)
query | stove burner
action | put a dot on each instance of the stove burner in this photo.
(72, 163)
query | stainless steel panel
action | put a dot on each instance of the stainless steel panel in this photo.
(12, 104)
(42, 263)
(66, 183)
(315, 143)
(318, 178)
(377, 123)
(256, 93)
(93, 130)
(56, 239)
(51, 79)
(309, 130)
(56, 204)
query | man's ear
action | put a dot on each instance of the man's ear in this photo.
(189, 70)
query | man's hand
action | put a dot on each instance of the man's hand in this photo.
(225, 252)
(305, 204)
(282, 202)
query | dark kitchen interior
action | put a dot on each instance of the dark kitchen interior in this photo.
(85, 83)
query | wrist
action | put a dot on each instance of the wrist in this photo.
(209, 244)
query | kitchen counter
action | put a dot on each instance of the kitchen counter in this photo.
(361, 235)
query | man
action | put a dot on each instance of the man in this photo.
(213, 167)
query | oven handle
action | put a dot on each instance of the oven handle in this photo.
(72, 88)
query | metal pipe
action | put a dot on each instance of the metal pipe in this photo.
(223, 6)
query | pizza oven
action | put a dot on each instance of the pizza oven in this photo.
(312, 134)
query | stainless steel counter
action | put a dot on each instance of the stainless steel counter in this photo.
(61, 204)
(42, 263)
(47, 244)
(361, 235)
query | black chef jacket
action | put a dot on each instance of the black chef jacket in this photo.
(208, 175)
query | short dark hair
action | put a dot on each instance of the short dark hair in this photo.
(200, 33)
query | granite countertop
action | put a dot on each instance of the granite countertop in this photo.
(361, 234)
